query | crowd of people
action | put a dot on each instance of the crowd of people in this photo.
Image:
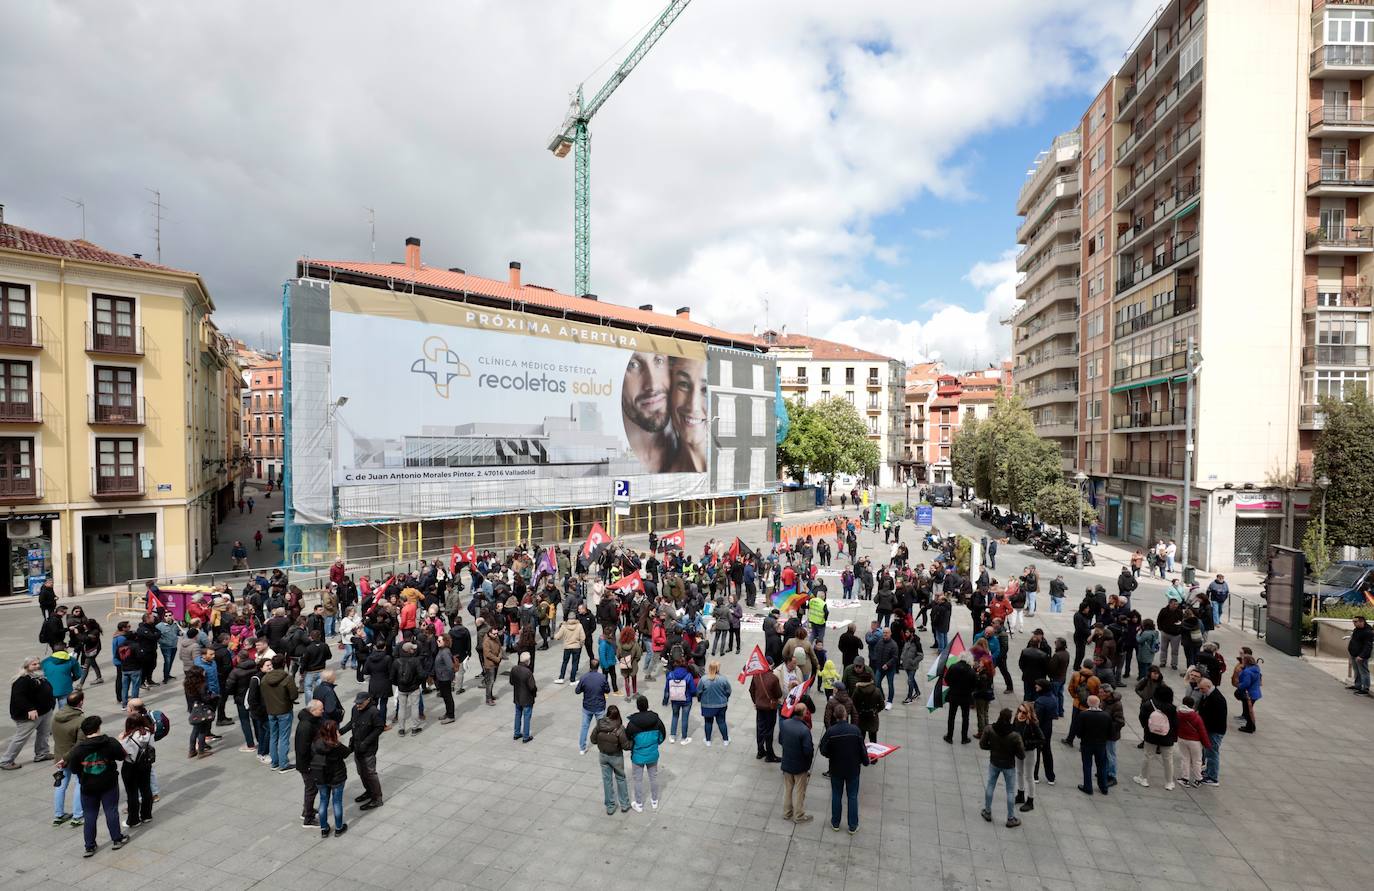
(617, 619)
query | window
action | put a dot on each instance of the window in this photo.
(756, 469)
(1095, 323)
(825, 374)
(1325, 382)
(1190, 55)
(873, 401)
(758, 418)
(269, 379)
(757, 369)
(16, 467)
(725, 470)
(725, 412)
(801, 372)
(727, 373)
(1094, 409)
(849, 376)
(114, 325)
(269, 402)
(1346, 26)
(872, 375)
(115, 390)
(116, 466)
(16, 391)
(14, 314)
(849, 396)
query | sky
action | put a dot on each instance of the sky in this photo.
(847, 170)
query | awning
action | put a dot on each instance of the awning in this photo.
(1188, 208)
(1122, 388)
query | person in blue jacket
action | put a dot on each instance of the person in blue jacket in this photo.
(1248, 689)
(680, 688)
(593, 686)
(62, 670)
(646, 732)
(797, 754)
(714, 694)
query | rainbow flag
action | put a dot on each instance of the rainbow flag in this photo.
(782, 595)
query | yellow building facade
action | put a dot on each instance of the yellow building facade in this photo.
(116, 434)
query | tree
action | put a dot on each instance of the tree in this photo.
(1002, 458)
(965, 455)
(1317, 548)
(1345, 455)
(828, 438)
(1059, 503)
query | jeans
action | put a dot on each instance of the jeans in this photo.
(613, 782)
(912, 690)
(312, 679)
(1111, 758)
(130, 683)
(719, 721)
(331, 794)
(681, 710)
(523, 713)
(1216, 613)
(279, 733)
(1361, 674)
(168, 654)
(639, 770)
(1008, 776)
(348, 654)
(718, 641)
(1056, 604)
(1211, 759)
(59, 796)
(39, 729)
(942, 640)
(1030, 602)
(329, 624)
(848, 789)
(649, 661)
(587, 718)
(260, 734)
(570, 657)
(879, 676)
(92, 805)
(245, 724)
(1095, 754)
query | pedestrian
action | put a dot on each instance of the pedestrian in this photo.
(443, 676)
(843, 745)
(573, 636)
(912, 653)
(798, 751)
(960, 682)
(1248, 682)
(367, 726)
(1094, 727)
(1212, 708)
(31, 708)
(1004, 746)
(1046, 713)
(1159, 721)
(66, 727)
(53, 631)
(493, 652)
(1083, 684)
(612, 743)
(1192, 741)
(714, 694)
(1027, 775)
(200, 711)
(628, 653)
(63, 672)
(279, 694)
(1116, 715)
(524, 690)
(594, 688)
(94, 761)
(765, 690)
(408, 675)
(886, 660)
(308, 722)
(679, 689)
(646, 733)
(1058, 672)
(137, 772)
(329, 771)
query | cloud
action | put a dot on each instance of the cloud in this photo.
(745, 157)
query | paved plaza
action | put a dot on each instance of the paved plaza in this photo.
(466, 807)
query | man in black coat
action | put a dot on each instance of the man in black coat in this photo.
(959, 682)
(47, 599)
(1034, 664)
(367, 726)
(843, 744)
(1094, 729)
(145, 641)
(307, 729)
(53, 631)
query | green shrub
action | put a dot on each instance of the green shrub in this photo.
(1339, 611)
(963, 549)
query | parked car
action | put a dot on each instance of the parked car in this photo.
(276, 521)
(941, 496)
(1344, 582)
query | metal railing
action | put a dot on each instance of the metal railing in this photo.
(1157, 469)
(1068, 181)
(1047, 356)
(1047, 322)
(1146, 123)
(127, 413)
(1311, 416)
(1184, 138)
(1172, 362)
(15, 489)
(1162, 260)
(19, 336)
(1048, 228)
(1341, 237)
(1335, 354)
(113, 341)
(1070, 139)
(1161, 211)
(1350, 297)
(1352, 113)
(1343, 55)
(1063, 283)
(21, 412)
(116, 486)
(1185, 300)
(1348, 175)
(1132, 420)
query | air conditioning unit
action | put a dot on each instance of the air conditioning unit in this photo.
(17, 529)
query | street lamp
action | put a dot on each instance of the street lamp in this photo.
(1079, 479)
(1323, 482)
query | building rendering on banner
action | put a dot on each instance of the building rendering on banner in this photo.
(119, 401)
(814, 370)
(1227, 203)
(425, 407)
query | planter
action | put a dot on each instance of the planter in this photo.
(1331, 634)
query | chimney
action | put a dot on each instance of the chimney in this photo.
(2, 214)
(684, 312)
(515, 273)
(592, 297)
(413, 252)
(647, 307)
(138, 256)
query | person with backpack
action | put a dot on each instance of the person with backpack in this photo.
(1159, 720)
(679, 689)
(1004, 746)
(646, 733)
(137, 772)
(714, 693)
(407, 676)
(612, 743)
(328, 759)
(95, 761)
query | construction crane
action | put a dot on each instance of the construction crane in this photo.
(574, 136)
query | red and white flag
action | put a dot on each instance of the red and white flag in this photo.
(755, 664)
(673, 541)
(459, 556)
(794, 696)
(596, 540)
(632, 582)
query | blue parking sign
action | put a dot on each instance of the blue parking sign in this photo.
(925, 516)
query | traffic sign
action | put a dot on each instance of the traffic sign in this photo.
(925, 516)
(622, 490)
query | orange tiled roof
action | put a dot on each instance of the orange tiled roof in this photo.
(21, 239)
(821, 349)
(530, 295)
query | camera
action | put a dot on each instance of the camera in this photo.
(57, 778)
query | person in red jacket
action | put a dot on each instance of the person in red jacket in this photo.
(1000, 607)
(1192, 739)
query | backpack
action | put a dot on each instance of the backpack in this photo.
(659, 638)
(124, 652)
(146, 756)
(677, 689)
(162, 725)
(1158, 722)
(407, 672)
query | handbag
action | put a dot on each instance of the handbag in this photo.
(200, 713)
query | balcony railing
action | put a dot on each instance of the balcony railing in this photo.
(114, 340)
(1343, 55)
(19, 336)
(1354, 114)
(125, 413)
(20, 412)
(1162, 54)
(1047, 356)
(1348, 175)
(1335, 354)
(1068, 181)
(1166, 418)
(1062, 141)
(1036, 327)
(1185, 300)
(1302, 472)
(1066, 286)
(1184, 138)
(1341, 237)
(1163, 365)
(1184, 191)
(793, 382)
(1162, 260)
(1169, 470)
(107, 482)
(15, 489)
(1311, 417)
(1146, 122)
(1350, 297)
(1069, 387)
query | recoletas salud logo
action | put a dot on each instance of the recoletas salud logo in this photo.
(441, 364)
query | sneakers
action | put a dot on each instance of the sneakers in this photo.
(639, 808)
(401, 732)
(835, 827)
(804, 818)
(1185, 782)
(309, 822)
(248, 748)
(708, 744)
(726, 744)
(887, 707)
(1168, 787)
(90, 852)
(986, 814)
(672, 739)
(559, 681)
(1141, 781)
(1013, 822)
(341, 830)
(60, 819)
(653, 803)
(77, 822)
(581, 751)
(120, 842)
(1206, 781)
(324, 833)
(686, 740)
(265, 759)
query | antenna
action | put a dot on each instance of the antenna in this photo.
(765, 311)
(158, 207)
(81, 204)
(372, 222)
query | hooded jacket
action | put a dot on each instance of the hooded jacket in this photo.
(329, 697)
(377, 669)
(62, 670)
(609, 737)
(96, 761)
(646, 733)
(66, 729)
(278, 692)
(1002, 744)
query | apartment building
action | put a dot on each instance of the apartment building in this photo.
(113, 409)
(958, 399)
(919, 392)
(263, 434)
(1095, 323)
(1046, 324)
(814, 370)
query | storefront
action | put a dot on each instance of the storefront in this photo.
(117, 548)
(29, 546)
(1259, 524)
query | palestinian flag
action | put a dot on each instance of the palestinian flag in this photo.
(632, 582)
(673, 541)
(945, 660)
(789, 702)
(755, 664)
(739, 550)
(597, 541)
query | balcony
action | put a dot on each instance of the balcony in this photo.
(1046, 327)
(1302, 472)
(24, 337)
(1068, 144)
(1041, 396)
(1060, 188)
(1162, 114)
(21, 412)
(794, 383)
(1047, 360)
(1145, 223)
(1056, 428)
(1311, 417)
(1163, 56)
(873, 410)
(1340, 179)
(1343, 60)
(1174, 150)
(873, 384)
(114, 340)
(21, 490)
(1173, 417)
(1163, 260)
(1340, 240)
(105, 483)
(127, 414)
(1349, 297)
(1063, 288)
(1352, 119)
(1055, 257)
(1062, 223)
(1164, 365)
(1164, 470)
(1185, 300)
(1335, 354)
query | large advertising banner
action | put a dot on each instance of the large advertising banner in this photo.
(433, 392)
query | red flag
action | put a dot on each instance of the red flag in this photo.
(154, 602)
(458, 556)
(673, 541)
(632, 582)
(794, 696)
(596, 540)
(453, 559)
(740, 549)
(755, 664)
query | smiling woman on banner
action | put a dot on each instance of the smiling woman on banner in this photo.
(687, 407)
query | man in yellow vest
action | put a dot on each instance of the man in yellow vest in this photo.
(816, 613)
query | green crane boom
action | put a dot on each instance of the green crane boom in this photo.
(575, 136)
